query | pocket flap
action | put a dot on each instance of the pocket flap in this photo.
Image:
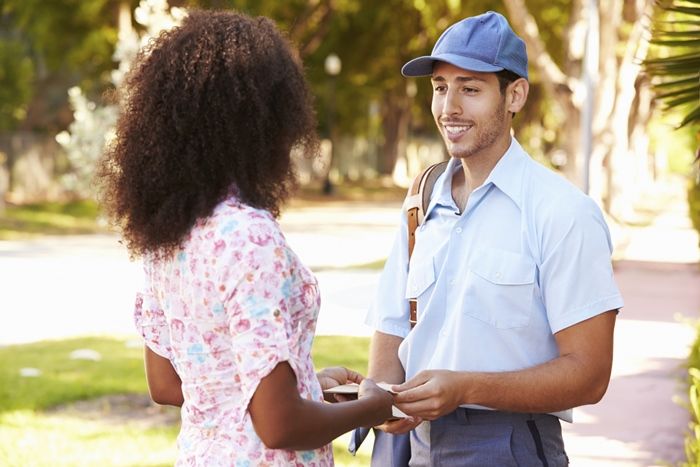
(420, 277)
(503, 267)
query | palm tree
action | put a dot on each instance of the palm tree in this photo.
(678, 74)
(677, 77)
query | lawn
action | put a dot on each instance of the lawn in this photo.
(31, 220)
(83, 402)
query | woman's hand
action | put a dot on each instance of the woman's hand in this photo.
(335, 376)
(384, 399)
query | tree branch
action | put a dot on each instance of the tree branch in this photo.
(554, 80)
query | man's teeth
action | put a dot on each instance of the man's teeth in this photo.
(456, 129)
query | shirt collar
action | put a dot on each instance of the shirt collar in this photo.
(507, 176)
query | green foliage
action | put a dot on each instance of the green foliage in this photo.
(16, 79)
(692, 441)
(63, 43)
(676, 35)
(75, 34)
(694, 205)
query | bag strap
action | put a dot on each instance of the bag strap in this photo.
(416, 204)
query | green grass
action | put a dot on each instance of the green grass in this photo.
(65, 380)
(77, 217)
(41, 426)
(35, 439)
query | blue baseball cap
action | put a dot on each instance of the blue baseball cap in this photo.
(483, 43)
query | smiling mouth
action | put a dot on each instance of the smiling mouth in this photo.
(454, 131)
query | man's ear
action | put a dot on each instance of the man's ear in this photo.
(516, 94)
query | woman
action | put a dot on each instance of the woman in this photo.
(195, 177)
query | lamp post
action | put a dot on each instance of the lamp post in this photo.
(332, 65)
(590, 81)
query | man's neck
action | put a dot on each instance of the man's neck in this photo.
(478, 167)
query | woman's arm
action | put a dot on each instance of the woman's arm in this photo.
(284, 420)
(164, 384)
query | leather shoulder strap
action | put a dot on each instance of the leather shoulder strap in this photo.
(416, 204)
(418, 199)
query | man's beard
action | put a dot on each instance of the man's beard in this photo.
(487, 133)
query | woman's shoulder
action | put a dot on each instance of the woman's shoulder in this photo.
(234, 222)
(233, 215)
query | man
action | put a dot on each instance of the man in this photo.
(511, 271)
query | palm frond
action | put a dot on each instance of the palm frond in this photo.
(692, 92)
(693, 80)
(692, 117)
(683, 9)
(676, 43)
(677, 75)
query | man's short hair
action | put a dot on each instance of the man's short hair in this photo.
(505, 77)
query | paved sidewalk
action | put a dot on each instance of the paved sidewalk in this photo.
(639, 422)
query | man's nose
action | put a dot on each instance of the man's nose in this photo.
(452, 104)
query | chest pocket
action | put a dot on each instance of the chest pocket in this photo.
(500, 288)
(421, 275)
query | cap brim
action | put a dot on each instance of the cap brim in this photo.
(423, 66)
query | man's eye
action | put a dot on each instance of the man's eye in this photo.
(470, 90)
(439, 88)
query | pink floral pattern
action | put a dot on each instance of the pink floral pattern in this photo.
(226, 309)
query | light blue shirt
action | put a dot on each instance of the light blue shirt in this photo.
(529, 256)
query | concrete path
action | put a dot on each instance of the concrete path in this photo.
(66, 286)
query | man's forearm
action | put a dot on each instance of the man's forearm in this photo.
(384, 363)
(556, 385)
(579, 376)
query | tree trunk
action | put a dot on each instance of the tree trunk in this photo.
(618, 153)
(395, 120)
(616, 119)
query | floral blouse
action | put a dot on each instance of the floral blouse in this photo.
(231, 304)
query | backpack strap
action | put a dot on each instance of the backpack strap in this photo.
(416, 204)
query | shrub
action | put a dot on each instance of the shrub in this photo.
(694, 201)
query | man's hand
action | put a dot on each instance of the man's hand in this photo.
(430, 394)
(335, 376)
(400, 426)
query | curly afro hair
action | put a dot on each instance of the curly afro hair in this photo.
(214, 105)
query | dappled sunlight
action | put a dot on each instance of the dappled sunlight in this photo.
(32, 438)
(594, 451)
(658, 228)
(634, 353)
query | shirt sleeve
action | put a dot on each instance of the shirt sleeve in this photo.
(150, 320)
(389, 311)
(263, 285)
(576, 276)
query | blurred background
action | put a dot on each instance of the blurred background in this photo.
(614, 106)
(593, 111)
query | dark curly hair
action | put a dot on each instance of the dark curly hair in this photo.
(215, 104)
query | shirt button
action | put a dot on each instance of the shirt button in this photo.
(497, 275)
(453, 282)
(458, 230)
